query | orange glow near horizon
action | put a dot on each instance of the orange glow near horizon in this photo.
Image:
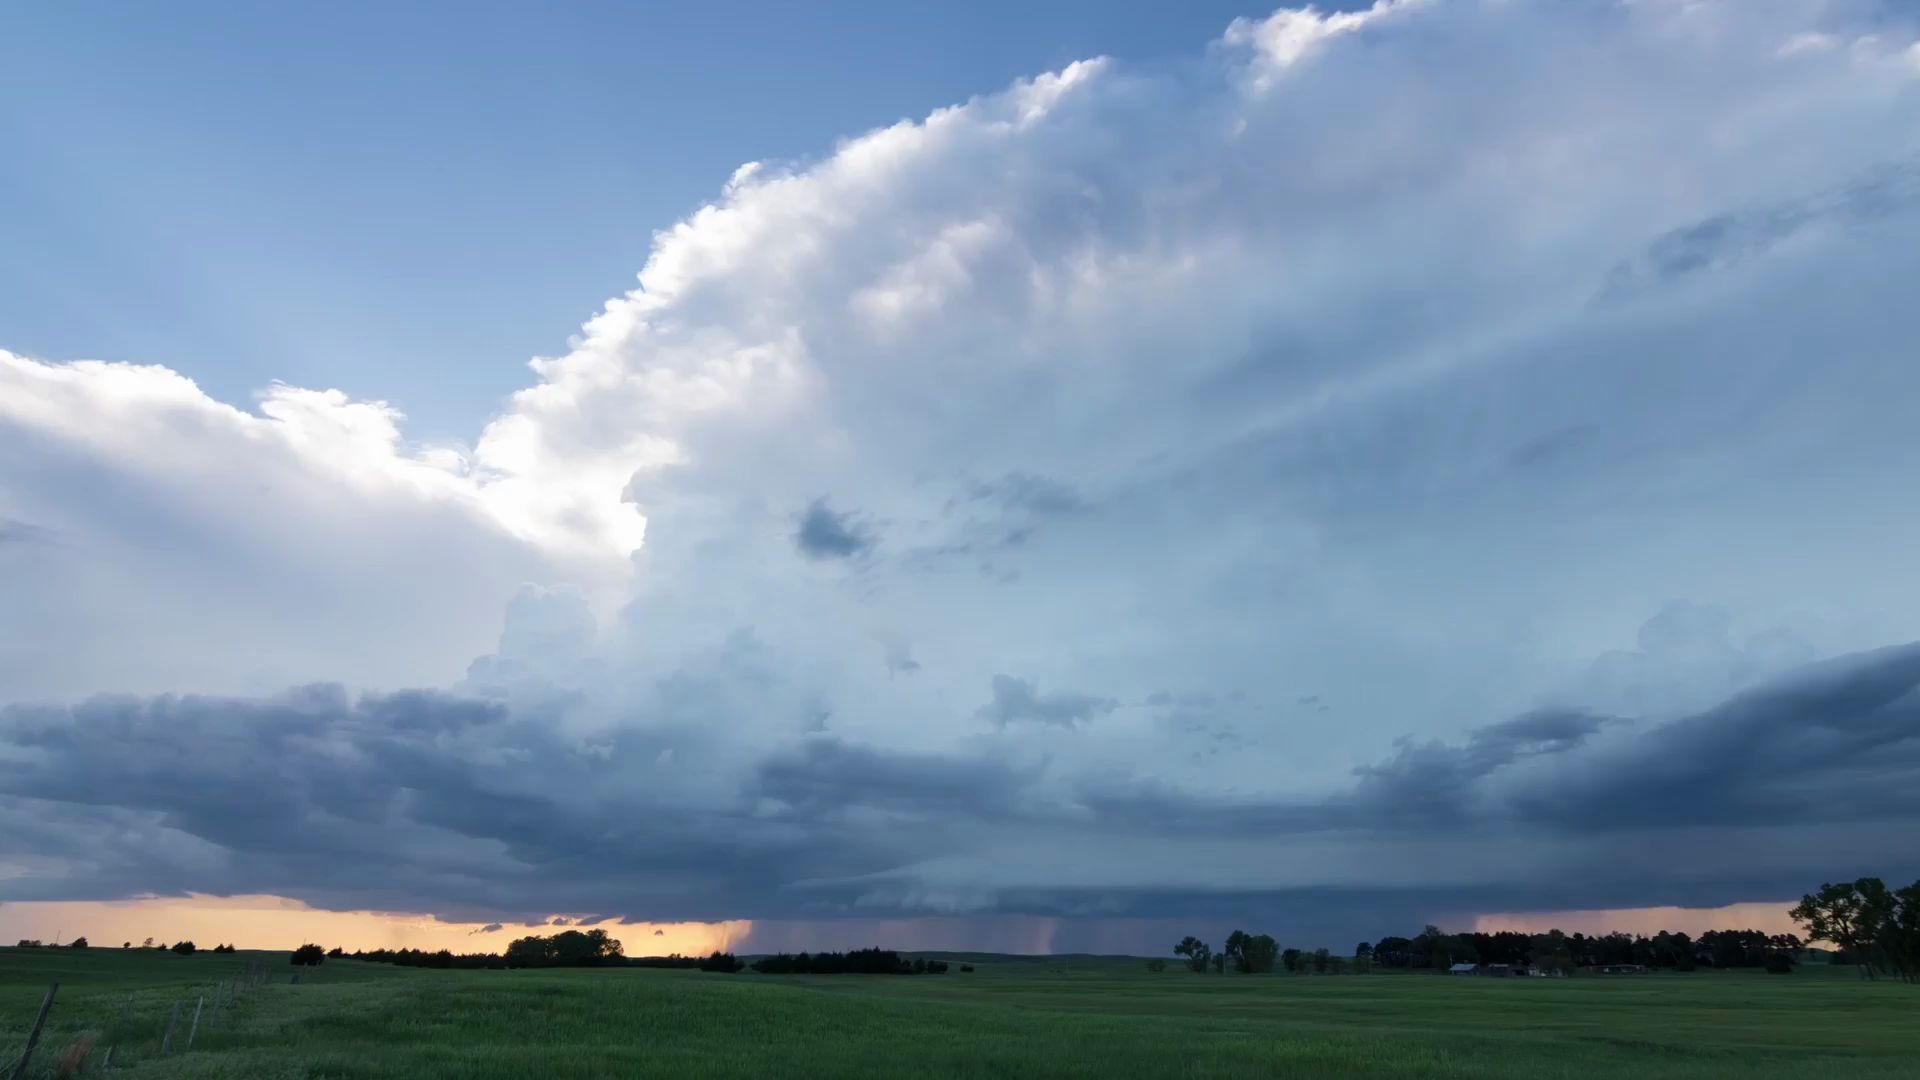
(1770, 918)
(276, 922)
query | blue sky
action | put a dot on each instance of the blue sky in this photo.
(408, 201)
(1387, 466)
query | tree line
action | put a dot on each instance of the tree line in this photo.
(1249, 954)
(183, 948)
(1873, 927)
(569, 948)
(1558, 951)
(594, 948)
(1553, 951)
(857, 962)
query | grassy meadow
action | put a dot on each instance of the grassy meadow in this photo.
(1088, 1017)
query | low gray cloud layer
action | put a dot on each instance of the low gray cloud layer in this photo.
(429, 801)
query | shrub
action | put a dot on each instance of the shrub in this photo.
(184, 948)
(308, 956)
(1779, 963)
(967, 969)
(1152, 965)
(77, 943)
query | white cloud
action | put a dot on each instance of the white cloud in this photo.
(180, 543)
(1284, 38)
(1402, 361)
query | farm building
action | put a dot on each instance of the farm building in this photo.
(1464, 969)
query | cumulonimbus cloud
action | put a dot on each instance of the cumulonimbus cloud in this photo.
(1214, 424)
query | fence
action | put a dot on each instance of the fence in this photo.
(133, 1029)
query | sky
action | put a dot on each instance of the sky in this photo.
(1064, 476)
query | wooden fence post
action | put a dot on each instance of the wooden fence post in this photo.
(195, 1028)
(166, 1037)
(33, 1037)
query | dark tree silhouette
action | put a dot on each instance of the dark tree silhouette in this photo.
(1197, 952)
(1904, 940)
(1853, 915)
(1258, 953)
(1250, 954)
(308, 956)
(1236, 941)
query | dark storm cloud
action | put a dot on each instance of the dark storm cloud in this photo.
(823, 775)
(1427, 783)
(826, 534)
(1836, 742)
(1019, 701)
(408, 801)
(426, 801)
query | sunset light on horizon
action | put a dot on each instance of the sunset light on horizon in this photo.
(279, 923)
(1769, 918)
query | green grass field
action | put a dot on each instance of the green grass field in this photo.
(1012, 1017)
